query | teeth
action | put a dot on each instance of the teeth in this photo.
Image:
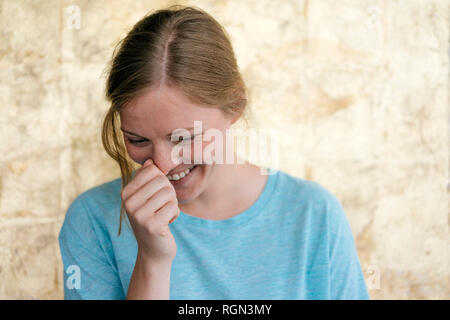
(178, 176)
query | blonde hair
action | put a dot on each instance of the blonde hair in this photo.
(178, 46)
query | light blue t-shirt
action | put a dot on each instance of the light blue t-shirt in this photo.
(293, 243)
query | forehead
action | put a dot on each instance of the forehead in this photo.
(159, 111)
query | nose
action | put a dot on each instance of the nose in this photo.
(162, 157)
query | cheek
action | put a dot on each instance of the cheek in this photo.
(215, 149)
(203, 148)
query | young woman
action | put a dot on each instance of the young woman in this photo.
(196, 230)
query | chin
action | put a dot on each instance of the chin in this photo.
(184, 196)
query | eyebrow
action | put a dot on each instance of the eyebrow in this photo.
(136, 135)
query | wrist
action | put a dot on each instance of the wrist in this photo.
(150, 279)
(149, 264)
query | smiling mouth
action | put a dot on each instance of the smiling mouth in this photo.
(180, 175)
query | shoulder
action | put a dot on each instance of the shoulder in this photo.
(105, 193)
(298, 189)
(306, 199)
(95, 205)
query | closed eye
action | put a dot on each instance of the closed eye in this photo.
(136, 141)
(182, 140)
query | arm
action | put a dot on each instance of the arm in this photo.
(347, 279)
(89, 271)
(149, 280)
(151, 205)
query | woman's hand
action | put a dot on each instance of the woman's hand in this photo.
(151, 205)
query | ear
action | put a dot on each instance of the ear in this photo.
(235, 113)
(233, 117)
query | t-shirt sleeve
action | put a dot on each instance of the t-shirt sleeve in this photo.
(346, 276)
(88, 272)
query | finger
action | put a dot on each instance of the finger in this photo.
(146, 163)
(167, 213)
(156, 201)
(144, 175)
(144, 194)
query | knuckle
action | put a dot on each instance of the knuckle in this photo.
(150, 170)
(171, 190)
(123, 193)
(166, 190)
(174, 193)
(144, 221)
(127, 207)
(151, 226)
(161, 179)
(173, 205)
(130, 204)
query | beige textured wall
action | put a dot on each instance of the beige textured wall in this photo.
(358, 90)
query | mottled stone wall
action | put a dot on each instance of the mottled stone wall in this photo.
(358, 91)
